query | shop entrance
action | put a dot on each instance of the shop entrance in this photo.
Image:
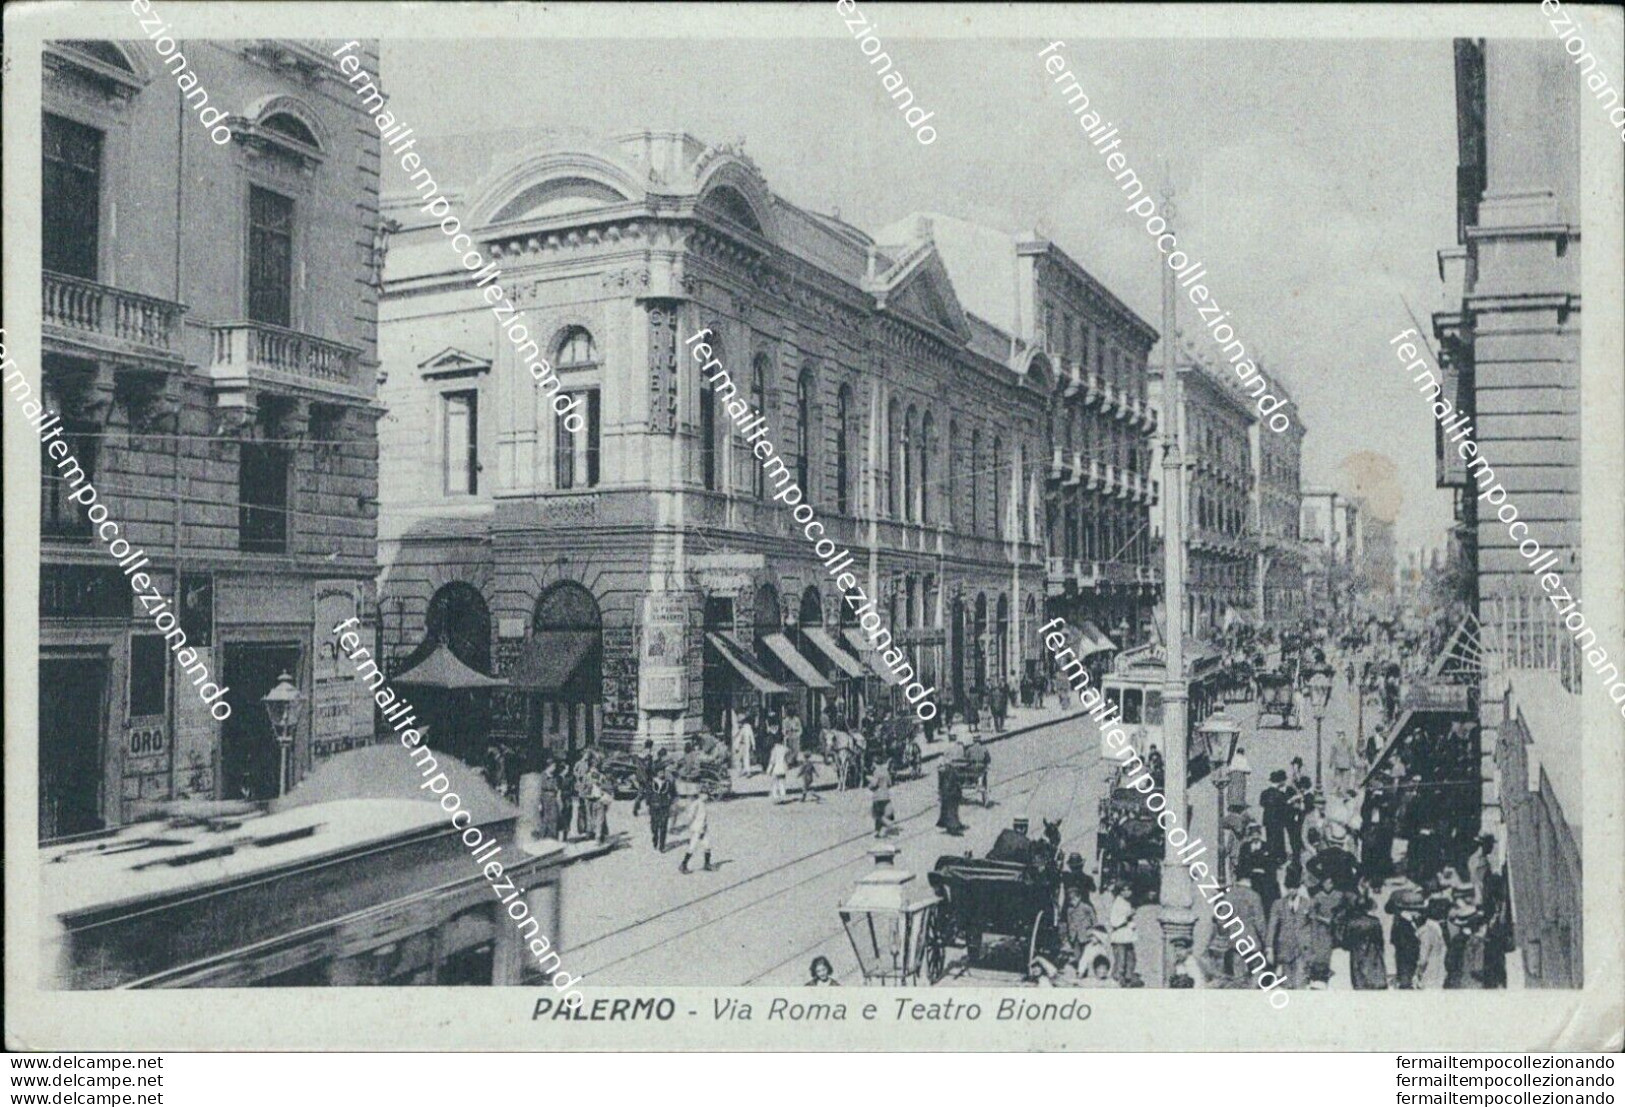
(250, 760)
(71, 723)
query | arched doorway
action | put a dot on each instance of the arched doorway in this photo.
(956, 624)
(768, 618)
(1001, 641)
(564, 669)
(459, 719)
(811, 614)
(979, 646)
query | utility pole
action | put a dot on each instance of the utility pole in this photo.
(1177, 918)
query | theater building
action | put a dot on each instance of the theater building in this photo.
(208, 343)
(635, 579)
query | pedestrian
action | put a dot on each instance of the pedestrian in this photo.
(1256, 864)
(841, 756)
(948, 797)
(646, 768)
(744, 747)
(1325, 908)
(1431, 947)
(1342, 763)
(1272, 802)
(1286, 939)
(699, 832)
(548, 811)
(1405, 905)
(972, 719)
(880, 797)
(1240, 770)
(583, 790)
(1124, 936)
(662, 790)
(1478, 866)
(567, 788)
(778, 767)
(1000, 705)
(808, 772)
(598, 800)
(792, 733)
(821, 974)
(1362, 934)
(1249, 908)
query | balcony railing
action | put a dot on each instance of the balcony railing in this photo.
(110, 318)
(259, 354)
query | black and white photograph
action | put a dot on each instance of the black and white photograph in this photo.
(671, 523)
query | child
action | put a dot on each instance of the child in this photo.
(808, 773)
(822, 974)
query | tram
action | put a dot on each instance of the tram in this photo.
(1135, 684)
(355, 877)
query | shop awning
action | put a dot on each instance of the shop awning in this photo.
(848, 664)
(551, 658)
(441, 669)
(867, 652)
(803, 670)
(1094, 639)
(742, 663)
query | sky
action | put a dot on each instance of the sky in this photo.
(1316, 179)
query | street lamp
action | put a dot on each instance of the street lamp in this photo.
(888, 919)
(1220, 734)
(1320, 694)
(282, 705)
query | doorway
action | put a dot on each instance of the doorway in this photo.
(250, 760)
(71, 723)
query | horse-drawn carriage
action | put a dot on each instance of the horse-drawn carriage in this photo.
(1012, 894)
(895, 744)
(1278, 696)
(1129, 844)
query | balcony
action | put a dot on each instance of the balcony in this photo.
(1094, 392)
(1057, 464)
(1076, 474)
(1150, 419)
(99, 319)
(252, 357)
(1094, 474)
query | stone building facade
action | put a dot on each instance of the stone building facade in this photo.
(1278, 577)
(1216, 423)
(1098, 485)
(209, 344)
(636, 580)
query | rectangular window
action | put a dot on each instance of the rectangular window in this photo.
(576, 456)
(708, 437)
(459, 438)
(270, 257)
(262, 495)
(149, 668)
(72, 191)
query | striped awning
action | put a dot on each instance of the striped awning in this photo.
(740, 660)
(844, 661)
(803, 670)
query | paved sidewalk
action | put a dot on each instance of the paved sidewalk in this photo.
(1020, 721)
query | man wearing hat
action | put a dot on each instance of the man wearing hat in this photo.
(1240, 770)
(1273, 801)
(1406, 906)
(1012, 844)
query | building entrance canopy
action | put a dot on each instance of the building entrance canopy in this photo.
(441, 669)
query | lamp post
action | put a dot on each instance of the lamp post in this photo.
(1320, 694)
(888, 919)
(1220, 734)
(282, 705)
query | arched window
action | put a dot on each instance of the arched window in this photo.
(459, 616)
(290, 126)
(953, 467)
(975, 520)
(997, 472)
(760, 367)
(804, 431)
(926, 448)
(575, 349)
(843, 445)
(907, 448)
(893, 419)
(567, 629)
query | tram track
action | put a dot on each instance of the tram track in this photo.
(1076, 759)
